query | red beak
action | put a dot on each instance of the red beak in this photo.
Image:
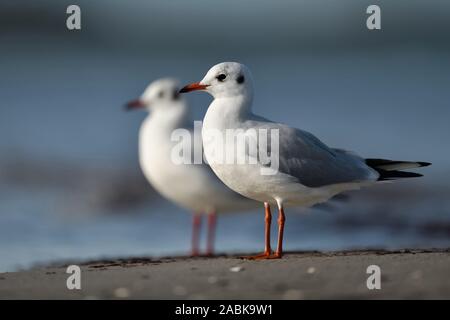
(193, 87)
(135, 104)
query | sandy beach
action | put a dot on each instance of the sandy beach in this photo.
(406, 274)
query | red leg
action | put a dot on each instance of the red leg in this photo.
(281, 220)
(212, 219)
(268, 221)
(196, 224)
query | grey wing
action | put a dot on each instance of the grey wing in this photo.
(306, 158)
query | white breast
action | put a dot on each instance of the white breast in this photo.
(192, 186)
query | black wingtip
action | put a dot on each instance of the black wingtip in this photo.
(424, 164)
(394, 174)
(388, 174)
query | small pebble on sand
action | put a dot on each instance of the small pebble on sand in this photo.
(311, 270)
(236, 269)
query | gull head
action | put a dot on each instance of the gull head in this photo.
(225, 80)
(160, 94)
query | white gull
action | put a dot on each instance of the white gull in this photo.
(308, 171)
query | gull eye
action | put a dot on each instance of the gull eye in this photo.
(175, 95)
(240, 79)
(221, 77)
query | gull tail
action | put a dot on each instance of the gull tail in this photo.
(391, 169)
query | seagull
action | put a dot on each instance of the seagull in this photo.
(192, 186)
(308, 172)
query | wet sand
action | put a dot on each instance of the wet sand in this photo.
(405, 274)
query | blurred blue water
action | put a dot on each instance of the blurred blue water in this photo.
(396, 102)
(36, 228)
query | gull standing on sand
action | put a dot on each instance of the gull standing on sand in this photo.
(308, 172)
(192, 186)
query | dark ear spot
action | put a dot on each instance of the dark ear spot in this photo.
(160, 94)
(240, 79)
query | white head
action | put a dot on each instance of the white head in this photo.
(225, 80)
(162, 94)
